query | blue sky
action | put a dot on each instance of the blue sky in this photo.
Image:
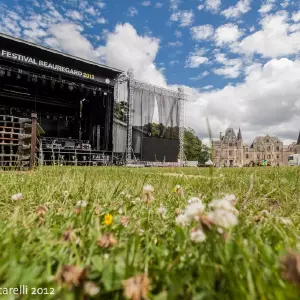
(234, 57)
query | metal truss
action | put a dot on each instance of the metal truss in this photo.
(181, 99)
(152, 88)
(135, 84)
(130, 116)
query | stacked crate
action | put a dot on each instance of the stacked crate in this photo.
(15, 139)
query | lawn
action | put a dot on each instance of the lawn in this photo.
(103, 233)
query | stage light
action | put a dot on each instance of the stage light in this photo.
(94, 92)
(62, 84)
(107, 81)
(71, 87)
(2, 72)
(105, 93)
(8, 73)
(81, 87)
(99, 89)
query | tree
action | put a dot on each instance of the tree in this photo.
(192, 145)
(204, 154)
(120, 111)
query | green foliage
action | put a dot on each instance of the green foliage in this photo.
(244, 267)
(120, 111)
(204, 154)
(192, 145)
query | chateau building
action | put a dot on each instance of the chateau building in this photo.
(230, 151)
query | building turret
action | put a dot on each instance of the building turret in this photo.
(239, 136)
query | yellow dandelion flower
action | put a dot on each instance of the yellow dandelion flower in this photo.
(108, 219)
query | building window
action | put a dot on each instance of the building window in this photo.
(277, 156)
(269, 148)
(230, 153)
(257, 155)
(277, 148)
(268, 140)
(247, 149)
(247, 155)
(230, 144)
(269, 156)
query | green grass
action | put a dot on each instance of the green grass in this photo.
(247, 266)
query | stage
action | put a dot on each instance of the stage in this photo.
(85, 119)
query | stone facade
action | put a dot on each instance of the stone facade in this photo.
(230, 151)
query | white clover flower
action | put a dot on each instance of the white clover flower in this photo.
(120, 211)
(81, 204)
(223, 204)
(194, 200)
(162, 211)
(230, 197)
(91, 289)
(148, 189)
(197, 235)
(65, 194)
(17, 197)
(127, 196)
(220, 230)
(223, 218)
(182, 220)
(286, 221)
(194, 209)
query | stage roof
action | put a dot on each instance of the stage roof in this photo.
(20, 46)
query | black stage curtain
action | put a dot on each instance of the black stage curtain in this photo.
(157, 149)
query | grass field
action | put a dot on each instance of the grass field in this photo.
(123, 239)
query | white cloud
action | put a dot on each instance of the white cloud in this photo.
(184, 17)
(91, 10)
(101, 20)
(101, 4)
(227, 34)
(213, 5)
(35, 3)
(178, 33)
(202, 32)
(200, 76)
(132, 11)
(174, 4)
(255, 104)
(285, 4)
(146, 3)
(68, 38)
(231, 67)
(173, 62)
(207, 87)
(195, 59)
(265, 8)
(74, 14)
(296, 16)
(125, 49)
(242, 7)
(273, 40)
(200, 7)
(175, 44)
(294, 27)
(158, 5)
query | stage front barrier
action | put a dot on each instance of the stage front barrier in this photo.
(19, 141)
